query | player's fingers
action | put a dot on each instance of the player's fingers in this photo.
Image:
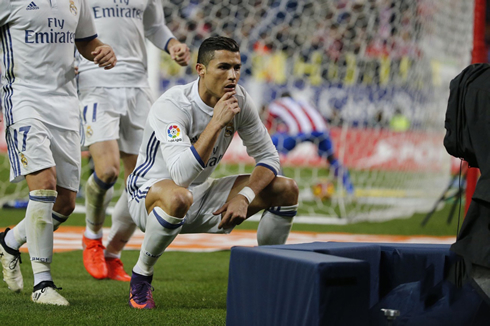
(105, 57)
(227, 96)
(96, 51)
(224, 220)
(220, 210)
(184, 58)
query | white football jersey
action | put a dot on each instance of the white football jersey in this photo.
(37, 54)
(175, 122)
(124, 24)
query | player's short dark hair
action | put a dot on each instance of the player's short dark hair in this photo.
(215, 43)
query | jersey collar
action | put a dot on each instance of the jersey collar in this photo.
(200, 103)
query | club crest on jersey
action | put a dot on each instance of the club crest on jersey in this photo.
(229, 129)
(73, 8)
(174, 134)
(89, 131)
(23, 159)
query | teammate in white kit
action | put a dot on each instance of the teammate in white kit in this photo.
(292, 121)
(114, 108)
(188, 130)
(42, 124)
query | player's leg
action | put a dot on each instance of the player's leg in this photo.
(39, 234)
(66, 155)
(161, 217)
(279, 201)
(122, 228)
(100, 113)
(98, 194)
(326, 149)
(29, 145)
(131, 128)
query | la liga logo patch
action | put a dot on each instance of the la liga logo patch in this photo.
(173, 133)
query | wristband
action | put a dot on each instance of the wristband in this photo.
(248, 193)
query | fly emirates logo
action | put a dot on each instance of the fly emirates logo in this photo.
(120, 9)
(56, 34)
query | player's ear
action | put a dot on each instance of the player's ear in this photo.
(201, 69)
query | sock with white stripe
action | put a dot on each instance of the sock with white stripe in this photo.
(275, 225)
(39, 229)
(122, 228)
(161, 230)
(98, 195)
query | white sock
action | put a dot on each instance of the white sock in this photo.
(10, 240)
(161, 230)
(41, 277)
(39, 229)
(110, 255)
(122, 227)
(275, 225)
(17, 236)
(98, 195)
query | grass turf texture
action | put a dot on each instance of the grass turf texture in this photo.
(190, 288)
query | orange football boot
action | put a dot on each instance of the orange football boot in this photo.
(115, 270)
(93, 258)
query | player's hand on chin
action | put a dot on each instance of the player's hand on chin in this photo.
(226, 108)
(104, 56)
(233, 212)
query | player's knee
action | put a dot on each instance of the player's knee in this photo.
(108, 174)
(180, 201)
(289, 191)
(67, 206)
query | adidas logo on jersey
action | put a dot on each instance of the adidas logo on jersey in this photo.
(32, 6)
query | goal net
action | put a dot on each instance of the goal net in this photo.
(378, 72)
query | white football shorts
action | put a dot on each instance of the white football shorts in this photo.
(117, 113)
(34, 146)
(208, 197)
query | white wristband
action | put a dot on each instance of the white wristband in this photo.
(248, 193)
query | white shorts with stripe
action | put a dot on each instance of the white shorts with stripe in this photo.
(208, 197)
(117, 113)
(34, 146)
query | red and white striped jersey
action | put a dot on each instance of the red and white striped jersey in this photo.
(294, 116)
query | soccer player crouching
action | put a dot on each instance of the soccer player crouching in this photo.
(187, 132)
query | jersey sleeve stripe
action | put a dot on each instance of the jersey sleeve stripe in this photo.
(86, 39)
(268, 167)
(198, 158)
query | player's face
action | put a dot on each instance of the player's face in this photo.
(222, 73)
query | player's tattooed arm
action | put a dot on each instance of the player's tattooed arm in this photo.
(98, 52)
